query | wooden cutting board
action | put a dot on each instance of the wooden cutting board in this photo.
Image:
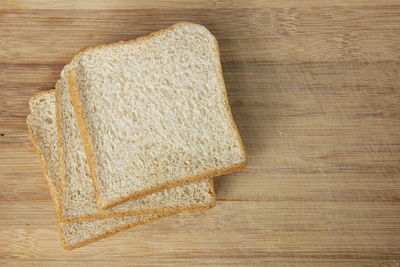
(315, 90)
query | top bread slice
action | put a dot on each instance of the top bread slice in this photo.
(42, 129)
(77, 194)
(153, 113)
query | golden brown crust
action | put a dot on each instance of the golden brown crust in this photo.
(213, 196)
(76, 101)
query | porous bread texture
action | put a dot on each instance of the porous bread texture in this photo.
(78, 200)
(42, 131)
(158, 107)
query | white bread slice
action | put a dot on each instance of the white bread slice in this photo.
(42, 131)
(153, 113)
(76, 187)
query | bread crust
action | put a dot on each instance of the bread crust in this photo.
(76, 101)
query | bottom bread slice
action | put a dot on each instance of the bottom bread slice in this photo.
(73, 234)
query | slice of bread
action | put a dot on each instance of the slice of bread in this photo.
(78, 200)
(42, 131)
(153, 113)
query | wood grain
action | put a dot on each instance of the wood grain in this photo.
(314, 88)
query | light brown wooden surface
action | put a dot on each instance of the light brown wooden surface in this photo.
(315, 90)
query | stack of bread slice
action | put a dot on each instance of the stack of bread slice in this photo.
(135, 131)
